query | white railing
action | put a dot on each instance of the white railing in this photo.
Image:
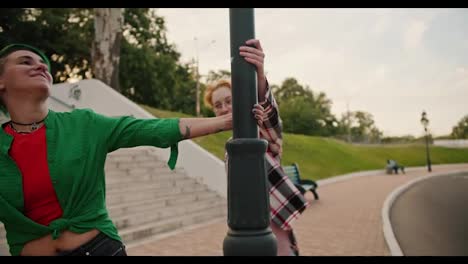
(452, 143)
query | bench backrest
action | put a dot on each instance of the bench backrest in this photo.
(293, 173)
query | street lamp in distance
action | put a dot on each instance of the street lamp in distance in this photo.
(197, 62)
(425, 123)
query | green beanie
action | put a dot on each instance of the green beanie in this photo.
(18, 46)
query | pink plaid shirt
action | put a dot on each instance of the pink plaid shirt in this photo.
(286, 201)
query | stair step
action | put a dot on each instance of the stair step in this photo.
(166, 182)
(138, 205)
(125, 177)
(180, 206)
(137, 172)
(150, 194)
(150, 163)
(136, 186)
(133, 234)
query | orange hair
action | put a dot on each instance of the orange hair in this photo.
(210, 89)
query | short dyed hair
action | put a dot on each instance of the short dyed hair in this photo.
(210, 89)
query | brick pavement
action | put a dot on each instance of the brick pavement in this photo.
(346, 221)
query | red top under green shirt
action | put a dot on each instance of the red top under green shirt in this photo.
(29, 151)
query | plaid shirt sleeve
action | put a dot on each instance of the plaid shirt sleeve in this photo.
(270, 127)
(286, 201)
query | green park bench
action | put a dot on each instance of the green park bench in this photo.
(303, 185)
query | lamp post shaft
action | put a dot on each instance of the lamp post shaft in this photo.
(197, 108)
(428, 159)
(249, 231)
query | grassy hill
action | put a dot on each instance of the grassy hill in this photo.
(320, 158)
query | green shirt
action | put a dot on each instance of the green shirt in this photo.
(77, 147)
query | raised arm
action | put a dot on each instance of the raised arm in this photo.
(266, 111)
(126, 131)
(255, 56)
(197, 127)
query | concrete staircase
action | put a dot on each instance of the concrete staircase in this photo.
(145, 198)
(3, 243)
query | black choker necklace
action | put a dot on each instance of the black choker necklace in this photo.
(34, 126)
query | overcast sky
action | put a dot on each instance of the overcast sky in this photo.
(392, 63)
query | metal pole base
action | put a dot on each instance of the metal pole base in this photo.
(250, 243)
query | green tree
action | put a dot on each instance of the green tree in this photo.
(365, 122)
(303, 111)
(299, 118)
(460, 131)
(213, 76)
(150, 71)
(64, 34)
(359, 126)
(184, 93)
(290, 88)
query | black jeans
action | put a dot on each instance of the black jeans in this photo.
(101, 245)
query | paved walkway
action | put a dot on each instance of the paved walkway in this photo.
(345, 222)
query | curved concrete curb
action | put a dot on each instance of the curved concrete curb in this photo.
(389, 235)
(348, 176)
(352, 175)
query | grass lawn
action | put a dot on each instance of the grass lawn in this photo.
(320, 157)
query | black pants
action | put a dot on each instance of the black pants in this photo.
(101, 245)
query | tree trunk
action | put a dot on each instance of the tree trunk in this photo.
(105, 53)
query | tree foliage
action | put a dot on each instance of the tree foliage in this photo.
(359, 126)
(150, 71)
(64, 34)
(303, 111)
(460, 131)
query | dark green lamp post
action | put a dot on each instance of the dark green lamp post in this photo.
(249, 231)
(425, 123)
